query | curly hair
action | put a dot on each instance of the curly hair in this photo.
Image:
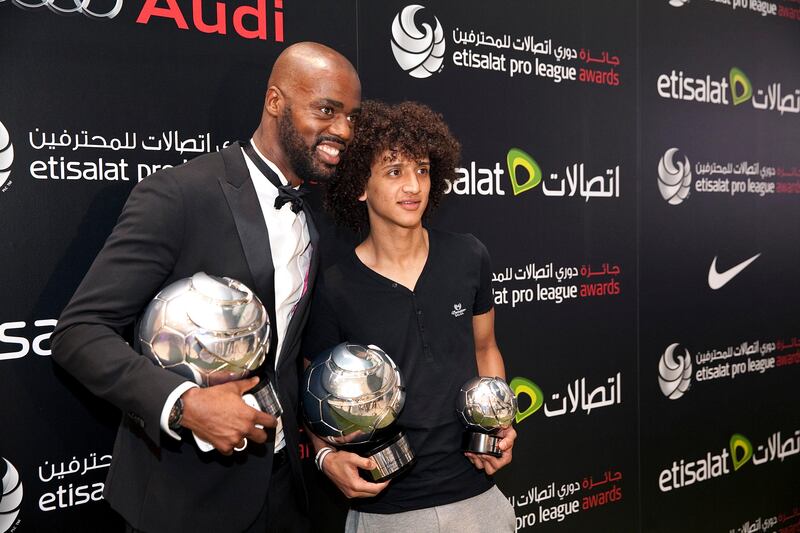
(411, 129)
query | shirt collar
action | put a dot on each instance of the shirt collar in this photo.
(270, 164)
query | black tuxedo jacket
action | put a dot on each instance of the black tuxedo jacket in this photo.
(201, 216)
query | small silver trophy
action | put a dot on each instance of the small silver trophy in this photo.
(351, 396)
(210, 330)
(485, 406)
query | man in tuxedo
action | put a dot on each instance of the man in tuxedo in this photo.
(235, 213)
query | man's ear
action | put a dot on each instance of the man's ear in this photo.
(274, 101)
(363, 197)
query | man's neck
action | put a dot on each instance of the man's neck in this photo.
(395, 252)
(267, 145)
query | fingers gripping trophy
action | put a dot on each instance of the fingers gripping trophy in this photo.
(352, 395)
(485, 406)
(210, 330)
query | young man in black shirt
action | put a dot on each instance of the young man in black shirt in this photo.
(423, 296)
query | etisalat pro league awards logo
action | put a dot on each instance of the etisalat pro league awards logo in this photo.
(418, 53)
(6, 155)
(674, 177)
(11, 496)
(674, 372)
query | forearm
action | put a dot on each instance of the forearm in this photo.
(490, 362)
(316, 442)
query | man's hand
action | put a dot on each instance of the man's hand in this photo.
(342, 468)
(490, 464)
(219, 416)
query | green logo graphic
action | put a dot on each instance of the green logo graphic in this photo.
(532, 390)
(741, 89)
(517, 158)
(740, 443)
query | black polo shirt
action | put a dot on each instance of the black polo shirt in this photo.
(428, 333)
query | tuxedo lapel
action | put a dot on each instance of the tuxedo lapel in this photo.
(295, 328)
(313, 235)
(252, 229)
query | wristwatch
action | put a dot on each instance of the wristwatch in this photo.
(175, 415)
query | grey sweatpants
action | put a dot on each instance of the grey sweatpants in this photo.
(489, 512)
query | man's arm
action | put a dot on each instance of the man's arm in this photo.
(490, 363)
(342, 466)
(133, 265)
(487, 353)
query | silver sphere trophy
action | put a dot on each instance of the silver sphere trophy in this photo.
(351, 396)
(210, 330)
(485, 406)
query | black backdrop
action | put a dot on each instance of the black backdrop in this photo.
(612, 152)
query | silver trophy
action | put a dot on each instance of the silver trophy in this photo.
(485, 406)
(351, 396)
(210, 330)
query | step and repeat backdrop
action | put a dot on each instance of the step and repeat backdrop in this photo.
(632, 166)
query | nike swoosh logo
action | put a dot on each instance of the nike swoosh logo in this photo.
(717, 280)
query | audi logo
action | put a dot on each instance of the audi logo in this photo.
(96, 9)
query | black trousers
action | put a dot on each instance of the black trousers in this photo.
(280, 513)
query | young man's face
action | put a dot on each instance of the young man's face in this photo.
(397, 190)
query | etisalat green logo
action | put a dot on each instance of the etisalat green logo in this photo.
(741, 450)
(517, 158)
(526, 387)
(741, 88)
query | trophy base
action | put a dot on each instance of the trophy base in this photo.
(266, 398)
(482, 443)
(392, 457)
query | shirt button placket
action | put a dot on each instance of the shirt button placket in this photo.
(420, 324)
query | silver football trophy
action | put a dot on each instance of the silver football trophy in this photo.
(351, 396)
(485, 406)
(210, 330)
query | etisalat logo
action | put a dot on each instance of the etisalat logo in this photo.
(6, 156)
(577, 398)
(96, 9)
(11, 497)
(740, 451)
(420, 53)
(707, 90)
(674, 177)
(735, 89)
(525, 174)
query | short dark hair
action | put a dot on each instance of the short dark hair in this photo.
(415, 131)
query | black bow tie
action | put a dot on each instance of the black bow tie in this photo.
(287, 193)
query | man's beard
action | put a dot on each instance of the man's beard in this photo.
(301, 157)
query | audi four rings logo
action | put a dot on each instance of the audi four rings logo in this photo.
(11, 496)
(674, 177)
(420, 54)
(96, 9)
(674, 377)
(6, 155)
